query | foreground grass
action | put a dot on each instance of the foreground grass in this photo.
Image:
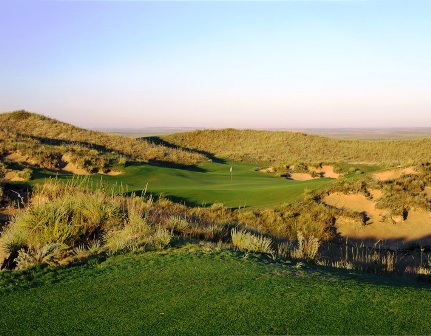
(201, 291)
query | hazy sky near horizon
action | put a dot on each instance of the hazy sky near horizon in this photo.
(242, 64)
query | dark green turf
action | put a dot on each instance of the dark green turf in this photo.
(186, 292)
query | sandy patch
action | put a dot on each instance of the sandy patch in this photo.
(376, 193)
(393, 173)
(354, 202)
(325, 171)
(71, 167)
(267, 170)
(427, 192)
(415, 230)
(18, 157)
(391, 231)
(299, 176)
(13, 176)
(111, 173)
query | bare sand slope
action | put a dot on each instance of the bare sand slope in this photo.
(393, 173)
(13, 176)
(18, 157)
(71, 167)
(392, 232)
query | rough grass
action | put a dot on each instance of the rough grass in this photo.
(283, 147)
(43, 141)
(201, 291)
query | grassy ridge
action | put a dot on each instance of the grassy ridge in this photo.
(283, 147)
(202, 291)
(45, 140)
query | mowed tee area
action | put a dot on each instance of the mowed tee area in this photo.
(205, 290)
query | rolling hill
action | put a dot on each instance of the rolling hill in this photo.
(284, 147)
(48, 143)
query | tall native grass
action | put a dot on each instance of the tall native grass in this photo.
(65, 221)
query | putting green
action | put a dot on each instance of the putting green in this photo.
(212, 183)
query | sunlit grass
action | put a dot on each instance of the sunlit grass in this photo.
(207, 291)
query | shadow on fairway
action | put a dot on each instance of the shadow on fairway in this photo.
(158, 141)
(174, 165)
(167, 164)
(172, 198)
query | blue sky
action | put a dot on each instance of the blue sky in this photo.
(213, 64)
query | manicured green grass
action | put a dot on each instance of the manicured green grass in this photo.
(198, 291)
(211, 183)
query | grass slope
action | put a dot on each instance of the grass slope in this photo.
(210, 183)
(198, 291)
(283, 147)
(45, 140)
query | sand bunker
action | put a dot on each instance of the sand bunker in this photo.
(111, 173)
(392, 231)
(393, 173)
(300, 176)
(267, 170)
(325, 171)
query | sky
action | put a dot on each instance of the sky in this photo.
(216, 64)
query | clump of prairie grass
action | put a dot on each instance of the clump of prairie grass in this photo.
(37, 255)
(302, 248)
(243, 240)
(82, 219)
(307, 248)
